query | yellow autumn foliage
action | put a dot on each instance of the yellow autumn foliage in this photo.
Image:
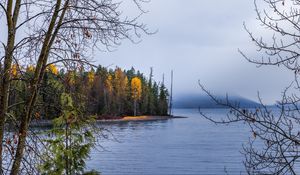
(14, 70)
(91, 77)
(53, 69)
(30, 68)
(125, 82)
(136, 88)
(108, 83)
(120, 82)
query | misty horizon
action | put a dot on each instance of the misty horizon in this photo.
(200, 44)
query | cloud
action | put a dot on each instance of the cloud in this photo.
(199, 40)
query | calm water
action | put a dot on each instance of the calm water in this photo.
(190, 146)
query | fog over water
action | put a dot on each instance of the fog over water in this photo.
(199, 40)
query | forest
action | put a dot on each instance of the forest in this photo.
(100, 92)
(46, 73)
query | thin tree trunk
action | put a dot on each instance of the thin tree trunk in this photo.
(5, 80)
(134, 111)
(38, 76)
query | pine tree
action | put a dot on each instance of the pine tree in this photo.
(163, 100)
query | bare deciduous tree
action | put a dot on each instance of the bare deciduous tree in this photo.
(63, 32)
(274, 147)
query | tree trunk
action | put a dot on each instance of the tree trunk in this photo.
(11, 18)
(38, 76)
(134, 111)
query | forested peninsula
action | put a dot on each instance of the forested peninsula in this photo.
(99, 92)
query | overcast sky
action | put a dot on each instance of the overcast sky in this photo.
(199, 40)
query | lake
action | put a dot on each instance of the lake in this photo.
(183, 146)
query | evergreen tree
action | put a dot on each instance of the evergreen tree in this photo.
(71, 142)
(107, 93)
(163, 100)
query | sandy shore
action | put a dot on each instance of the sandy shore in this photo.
(48, 123)
(140, 118)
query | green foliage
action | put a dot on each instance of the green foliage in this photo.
(99, 92)
(110, 94)
(93, 172)
(70, 98)
(163, 94)
(71, 141)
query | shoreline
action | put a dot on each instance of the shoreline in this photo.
(140, 118)
(48, 123)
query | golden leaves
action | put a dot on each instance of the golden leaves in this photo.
(53, 69)
(120, 82)
(136, 88)
(91, 77)
(30, 68)
(108, 83)
(14, 70)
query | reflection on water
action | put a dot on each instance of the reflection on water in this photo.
(190, 145)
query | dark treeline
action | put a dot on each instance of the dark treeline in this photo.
(105, 93)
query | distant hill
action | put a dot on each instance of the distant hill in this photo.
(197, 100)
